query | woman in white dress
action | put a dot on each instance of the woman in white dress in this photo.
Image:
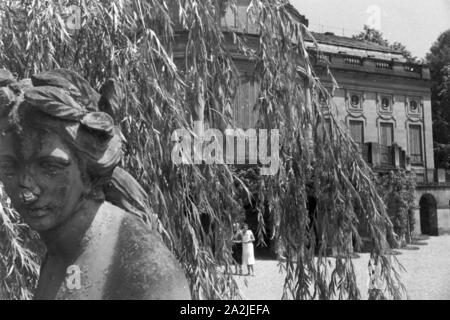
(248, 256)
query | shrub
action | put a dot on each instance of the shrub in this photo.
(397, 190)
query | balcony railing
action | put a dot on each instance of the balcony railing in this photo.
(383, 65)
(354, 61)
(371, 65)
(412, 68)
(383, 157)
(387, 158)
(364, 148)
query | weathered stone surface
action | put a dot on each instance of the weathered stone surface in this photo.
(6, 78)
(7, 98)
(121, 260)
(100, 122)
(76, 86)
(54, 102)
(56, 168)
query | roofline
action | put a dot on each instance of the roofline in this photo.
(298, 14)
(387, 50)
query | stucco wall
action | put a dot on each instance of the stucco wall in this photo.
(428, 132)
(372, 88)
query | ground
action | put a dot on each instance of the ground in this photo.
(427, 275)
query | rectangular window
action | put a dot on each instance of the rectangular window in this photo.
(357, 133)
(386, 141)
(245, 112)
(386, 134)
(415, 144)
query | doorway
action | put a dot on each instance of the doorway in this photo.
(429, 216)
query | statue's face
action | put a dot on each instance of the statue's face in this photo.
(41, 176)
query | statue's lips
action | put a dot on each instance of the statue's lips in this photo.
(38, 212)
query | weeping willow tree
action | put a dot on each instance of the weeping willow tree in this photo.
(134, 41)
(18, 254)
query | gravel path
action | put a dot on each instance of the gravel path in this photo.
(427, 275)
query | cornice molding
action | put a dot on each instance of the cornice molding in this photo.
(388, 89)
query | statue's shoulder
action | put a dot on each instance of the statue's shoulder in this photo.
(145, 268)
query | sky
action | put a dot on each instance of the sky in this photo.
(415, 23)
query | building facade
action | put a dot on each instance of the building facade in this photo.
(385, 102)
(382, 98)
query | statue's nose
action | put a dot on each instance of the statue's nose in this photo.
(30, 189)
(28, 197)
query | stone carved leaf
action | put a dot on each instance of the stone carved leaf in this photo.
(7, 98)
(6, 78)
(78, 87)
(54, 102)
(125, 192)
(99, 122)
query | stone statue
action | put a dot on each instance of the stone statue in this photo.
(58, 161)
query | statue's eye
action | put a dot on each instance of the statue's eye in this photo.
(8, 168)
(51, 166)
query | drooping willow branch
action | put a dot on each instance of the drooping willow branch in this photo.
(166, 89)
